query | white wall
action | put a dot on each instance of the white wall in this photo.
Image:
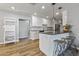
(1, 30)
(64, 17)
(72, 13)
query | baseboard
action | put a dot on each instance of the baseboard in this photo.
(34, 39)
(23, 38)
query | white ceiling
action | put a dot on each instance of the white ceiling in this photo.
(30, 8)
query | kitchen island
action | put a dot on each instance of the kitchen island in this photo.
(47, 42)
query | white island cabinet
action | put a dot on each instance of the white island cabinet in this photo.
(46, 42)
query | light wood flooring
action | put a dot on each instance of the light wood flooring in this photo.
(22, 48)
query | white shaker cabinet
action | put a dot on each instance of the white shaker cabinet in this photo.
(45, 44)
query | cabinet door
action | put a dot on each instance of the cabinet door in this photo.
(52, 47)
(44, 44)
(48, 45)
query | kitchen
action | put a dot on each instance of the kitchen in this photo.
(47, 24)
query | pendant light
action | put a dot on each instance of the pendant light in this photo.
(53, 19)
(60, 13)
(53, 10)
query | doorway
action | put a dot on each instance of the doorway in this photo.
(24, 30)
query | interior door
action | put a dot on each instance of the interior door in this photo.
(23, 28)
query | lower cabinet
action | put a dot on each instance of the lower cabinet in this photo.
(45, 44)
(34, 34)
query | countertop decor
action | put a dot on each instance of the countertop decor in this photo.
(66, 28)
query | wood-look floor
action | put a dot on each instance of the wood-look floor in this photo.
(22, 48)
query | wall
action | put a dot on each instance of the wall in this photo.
(64, 17)
(1, 30)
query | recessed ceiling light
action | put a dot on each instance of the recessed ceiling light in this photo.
(47, 16)
(57, 13)
(35, 13)
(13, 8)
(43, 7)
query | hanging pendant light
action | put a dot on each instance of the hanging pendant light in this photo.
(53, 19)
(53, 10)
(60, 13)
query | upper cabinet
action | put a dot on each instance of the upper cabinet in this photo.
(37, 21)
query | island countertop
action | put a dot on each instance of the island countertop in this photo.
(52, 33)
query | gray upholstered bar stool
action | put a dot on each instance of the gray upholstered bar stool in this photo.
(69, 40)
(68, 43)
(58, 47)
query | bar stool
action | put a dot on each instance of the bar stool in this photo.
(58, 46)
(68, 42)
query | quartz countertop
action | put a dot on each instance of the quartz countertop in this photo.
(51, 33)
